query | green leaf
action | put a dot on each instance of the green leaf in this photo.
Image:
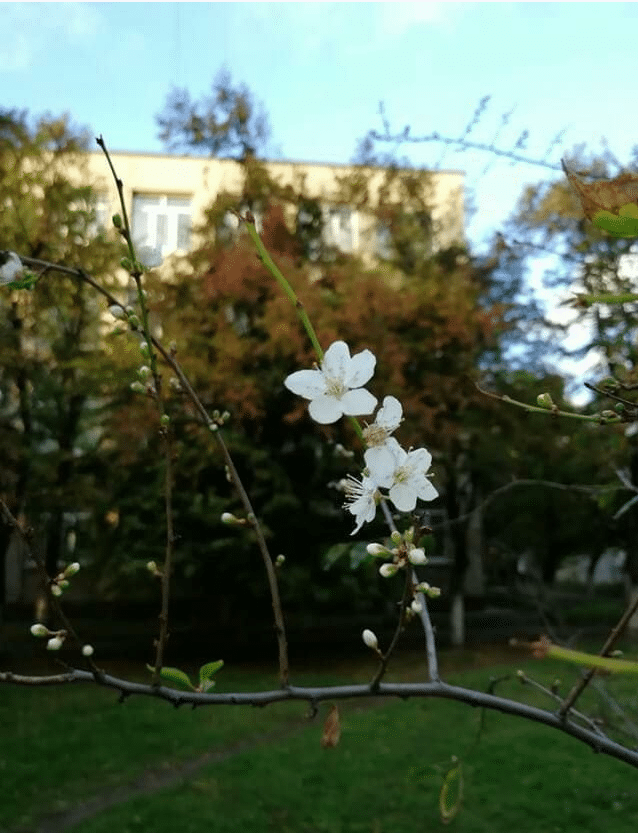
(451, 793)
(623, 224)
(173, 675)
(357, 553)
(207, 671)
(333, 555)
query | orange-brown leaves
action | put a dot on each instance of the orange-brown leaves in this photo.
(604, 195)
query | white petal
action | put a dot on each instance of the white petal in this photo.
(403, 497)
(358, 402)
(420, 459)
(360, 369)
(336, 360)
(307, 383)
(427, 492)
(389, 414)
(325, 409)
(381, 464)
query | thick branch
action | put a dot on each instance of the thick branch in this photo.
(597, 742)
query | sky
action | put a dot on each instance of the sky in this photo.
(321, 69)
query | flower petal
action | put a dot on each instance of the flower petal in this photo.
(427, 491)
(403, 497)
(389, 414)
(360, 369)
(358, 402)
(325, 409)
(306, 383)
(381, 462)
(336, 361)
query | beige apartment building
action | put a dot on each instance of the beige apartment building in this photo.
(166, 196)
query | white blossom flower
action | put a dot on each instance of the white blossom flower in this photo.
(381, 445)
(370, 639)
(336, 389)
(10, 267)
(406, 478)
(361, 500)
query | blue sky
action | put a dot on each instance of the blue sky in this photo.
(321, 69)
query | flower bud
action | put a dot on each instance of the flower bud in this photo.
(117, 221)
(370, 639)
(87, 650)
(387, 570)
(39, 630)
(144, 372)
(417, 556)
(544, 400)
(376, 549)
(416, 606)
(138, 387)
(56, 590)
(279, 561)
(165, 419)
(72, 569)
(396, 537)
(117, 311)
(55, 644)
(151, 566)
(229, 518)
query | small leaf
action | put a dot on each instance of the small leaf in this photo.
(207, 671)
(616, 224)
(451, 793)
(331, 729)
(173, 675)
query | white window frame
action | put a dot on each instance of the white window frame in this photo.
(341, 227)
(162, 221)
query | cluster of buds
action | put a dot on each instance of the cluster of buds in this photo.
(404, 554)
(55, 638)
(60, 583)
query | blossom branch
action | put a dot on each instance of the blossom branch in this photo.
(596, 741)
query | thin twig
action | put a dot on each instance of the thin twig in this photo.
(611, 640)
(212, 426)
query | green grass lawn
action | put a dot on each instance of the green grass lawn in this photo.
(60, 746)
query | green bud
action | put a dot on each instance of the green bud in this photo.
(619, 407)
(165, 419)
(544, 400)
(117, 221)
(125, 263)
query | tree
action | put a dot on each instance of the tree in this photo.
(52, 377)
(228, 122)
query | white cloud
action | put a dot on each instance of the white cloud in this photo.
(34, 27)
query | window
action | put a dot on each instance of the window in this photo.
(383, 241)
(341, 227)
(162, 223)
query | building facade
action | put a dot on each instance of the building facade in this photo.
(166, 196)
